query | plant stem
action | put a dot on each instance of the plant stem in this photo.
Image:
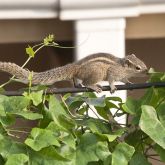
(154, 159)
(13, 130)
(12, 78)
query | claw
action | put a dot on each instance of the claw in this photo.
(113, 89)
(96, 88)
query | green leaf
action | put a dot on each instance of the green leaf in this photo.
(98, 126)
(139, 159)
(114, 99)
(99, 102)
(9, 147)
(15, 104)
(29, 115)
(56, 108)
(160, 151)
(131, 106)
(103, 130)
(2, 110)
(134, 139)
(111, 137)
(54, 128)
(47, 116)
(104, 112)
(59, 115)
(122, 154)
(69, 140)
(17, 159)
(7, 120)
(66, 122)
(48, 156)
(151, 97)
(41, 138)
(36, 97)
(161, 113)
(74, 102)
(156, 76)
(150, 124)
(2, 161)
(30, 51)
(91, 149)
(108, 160)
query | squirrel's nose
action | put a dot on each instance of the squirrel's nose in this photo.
(146, 71)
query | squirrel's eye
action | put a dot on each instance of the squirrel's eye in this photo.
(138, 68)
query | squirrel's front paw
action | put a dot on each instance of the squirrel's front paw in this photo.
(113, 89)
(96, 88)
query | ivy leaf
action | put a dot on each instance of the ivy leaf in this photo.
(48, 156)
(10, 147)
(103, 112)
(114, 99)
(29, 115)
(97, 126)
(155, 76)
(16, 104)
(30, 51)
(74, 102)
(36, 97)
(59, 115)
(103, 130)
(133, 139)
(151, 97)
(111, 137)
(7, 120)
(41, 138)
(69, 140)
(99, 102)
(55, 107)
(150, 124)
(2, 161)
(17, 159)
(122, 154)
(161, 113)
(131, 106)
(65, 137)
(91, 149)
(66, 122)
(2, 110)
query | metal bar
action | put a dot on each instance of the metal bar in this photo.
(84, 89)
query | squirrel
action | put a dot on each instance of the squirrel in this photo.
(91, 70)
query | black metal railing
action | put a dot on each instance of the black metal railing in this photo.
(84, 89)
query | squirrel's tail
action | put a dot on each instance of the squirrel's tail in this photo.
(16, 70)
(48, 77)
(66, 72)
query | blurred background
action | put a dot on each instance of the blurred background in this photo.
(119, 27)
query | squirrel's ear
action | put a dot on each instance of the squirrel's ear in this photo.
(133, 55)
(127, 62)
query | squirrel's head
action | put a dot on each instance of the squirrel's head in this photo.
(135, 65)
